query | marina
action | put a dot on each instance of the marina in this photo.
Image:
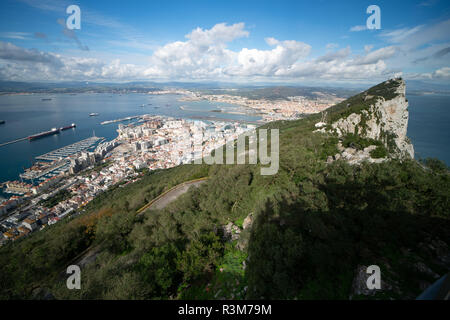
(57, 160)
(51, 171)
(69, 150)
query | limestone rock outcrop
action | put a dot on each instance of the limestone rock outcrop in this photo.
(385, 120)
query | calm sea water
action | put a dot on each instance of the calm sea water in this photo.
(429, 122)
(429, 126)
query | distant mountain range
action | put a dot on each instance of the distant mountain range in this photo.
(414, 87)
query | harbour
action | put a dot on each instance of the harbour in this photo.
(70, 150)
(58, 160)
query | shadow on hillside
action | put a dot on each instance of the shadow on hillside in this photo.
(307, 254)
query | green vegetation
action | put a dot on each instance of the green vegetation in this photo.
(385, 89)
(313, 225)
(379, 152)
(57, 198)
(436, 165)
(355, 141)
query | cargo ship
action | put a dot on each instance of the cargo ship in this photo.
(73, 125)
(46, 99)
(44, 134)
(2, 121)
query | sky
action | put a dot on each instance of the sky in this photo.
(305, 42)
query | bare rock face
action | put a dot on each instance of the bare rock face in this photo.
(385, 120)
(231, 231)
(248, 221)
(353, 156)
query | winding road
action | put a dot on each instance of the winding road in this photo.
(89, 255)
(163, 200)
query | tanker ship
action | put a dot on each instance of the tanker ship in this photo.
(73, 125)
(44, 134)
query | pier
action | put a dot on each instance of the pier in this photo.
(59, 160)
(14, 141)
(69, 150)
(41, 175)
(120, 120)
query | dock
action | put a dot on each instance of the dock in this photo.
(69, 150)
(53, 170)
(120, 120)
(59, 160)
(14, 141)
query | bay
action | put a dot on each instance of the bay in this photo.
(429, 126)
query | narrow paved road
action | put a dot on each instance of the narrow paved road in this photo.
(91, 253)
(173, 195)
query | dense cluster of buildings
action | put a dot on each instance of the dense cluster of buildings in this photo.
(272, 110)
(165, 143)
(86, 159)
(20, 187)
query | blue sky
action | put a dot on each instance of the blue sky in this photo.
(286, 41)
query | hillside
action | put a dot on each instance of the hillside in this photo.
(304, 233)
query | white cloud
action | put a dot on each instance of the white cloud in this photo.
(219, 34)
(331, 46)
(375, 56)
(399, 35)
(358, 28)
(271, 41)
(267, 62)
(367, 48)
(16, 35)
(203, 55)
(337, 55)
(442, 73)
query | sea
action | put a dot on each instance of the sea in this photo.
(428, 129)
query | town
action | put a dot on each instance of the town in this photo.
(76, 174)
(290, 108)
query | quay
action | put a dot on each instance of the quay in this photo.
(40, 175)
(14, 141)
(69, 150)
(120, 120)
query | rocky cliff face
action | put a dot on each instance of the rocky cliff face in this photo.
(384, 119)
